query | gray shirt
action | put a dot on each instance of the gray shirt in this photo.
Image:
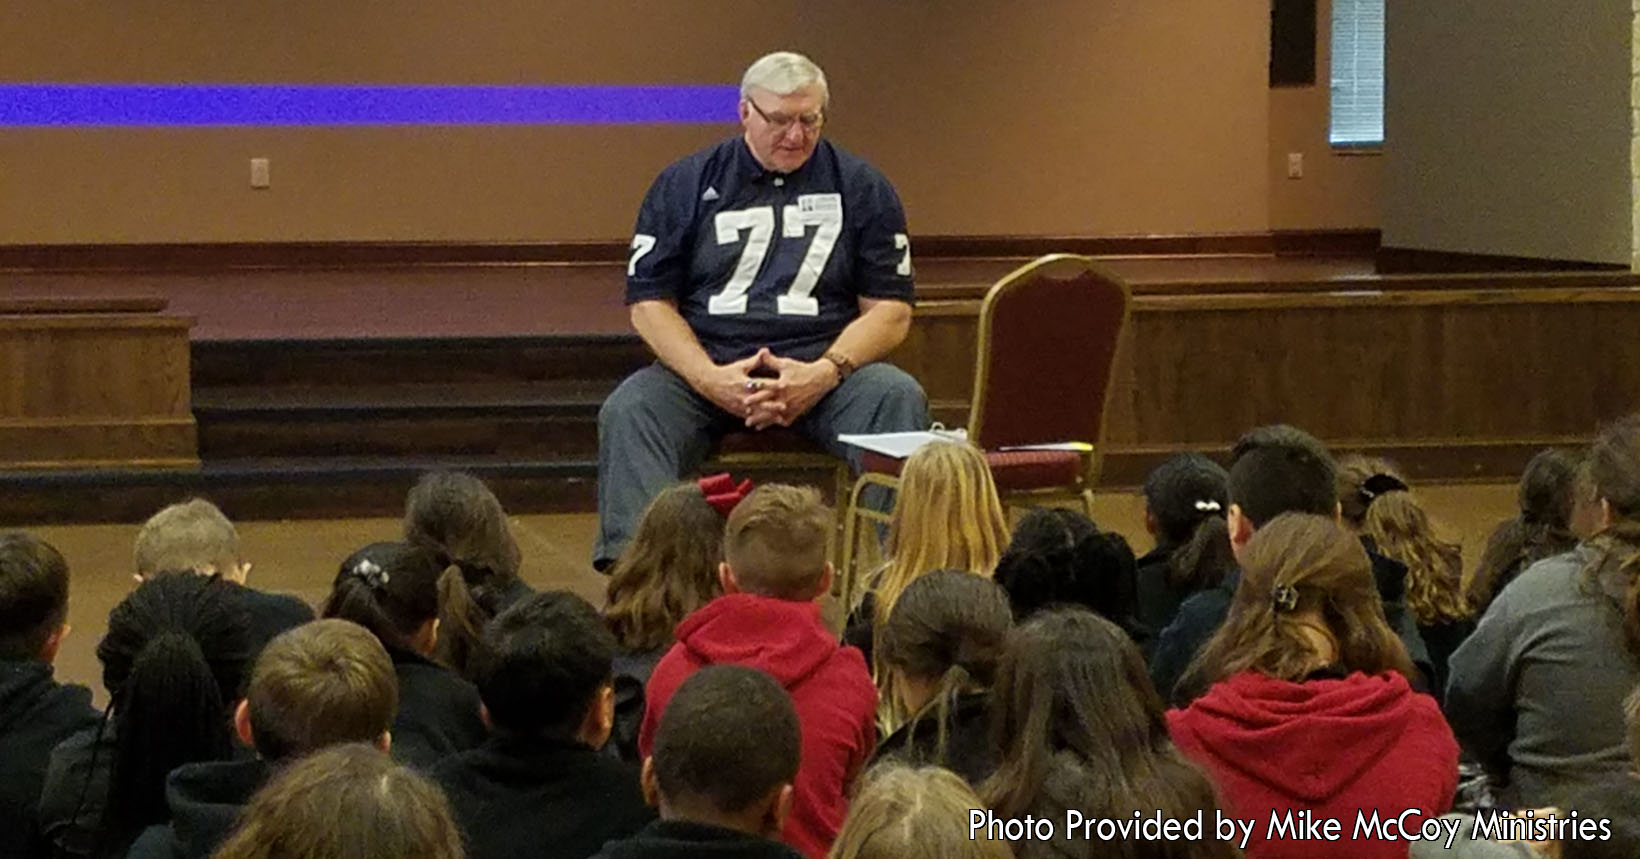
(1536, 693)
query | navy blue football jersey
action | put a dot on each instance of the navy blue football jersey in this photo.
(755, 258)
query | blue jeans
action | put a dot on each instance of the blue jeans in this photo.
(654, 429)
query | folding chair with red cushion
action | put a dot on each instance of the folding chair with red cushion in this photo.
(1047, 340)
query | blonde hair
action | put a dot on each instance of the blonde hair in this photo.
(906, 813)
(1399, 528)
(947, 516)
(193, 535)
(775, 541)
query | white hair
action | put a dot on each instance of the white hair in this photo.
(783, 73)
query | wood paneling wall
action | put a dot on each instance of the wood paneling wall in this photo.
(93, 388)
(1450, 379)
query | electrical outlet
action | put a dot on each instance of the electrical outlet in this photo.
(259, 173)
(1295, 165)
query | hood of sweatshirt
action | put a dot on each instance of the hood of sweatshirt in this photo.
(1306, 741)
(784, 639)
(206, 799)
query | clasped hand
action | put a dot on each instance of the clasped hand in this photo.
(764, 401)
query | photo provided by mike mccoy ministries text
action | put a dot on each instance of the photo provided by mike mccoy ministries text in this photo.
(1288, 825)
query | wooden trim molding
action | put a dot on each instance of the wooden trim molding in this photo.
(1416, 261)
(329, 255)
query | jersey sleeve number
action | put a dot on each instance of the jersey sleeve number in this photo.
(758, 225)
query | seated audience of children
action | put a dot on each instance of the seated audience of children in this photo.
(1274, 470)
(1309, 704)
(392, 589)
(1078, 726)
(726, 754)
(1375, 500)
(195, 536)
(947, 516)
(322, 684)
(346, 802)
(460, 521)
(774, 570)
(173, 662)
(1186, 499)
(1537, 690)
(939, 651)
(539, 787)
(914, 813)
(668, 570)
(36, 711)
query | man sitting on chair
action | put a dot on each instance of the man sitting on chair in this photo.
(769, 274)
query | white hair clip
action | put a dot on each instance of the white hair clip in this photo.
(371, 573)
(1208, 506)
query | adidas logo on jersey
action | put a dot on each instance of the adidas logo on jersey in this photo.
(710, 195)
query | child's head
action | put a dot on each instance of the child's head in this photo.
(1306, 600)
(193, 535)
(947, 516)
(1076, 720)
(545, 670)
(913, 813)
(174, 660)
(946, 634)
(1275, 470)
(457, 518)
(1557, 507)
(33, 598)
(1376, 500)
(668, 570)
(391, 589)
(1059, 556)
(321, 684)
(1183, 492)
(775, 543)
(346, 802)
(726, 751)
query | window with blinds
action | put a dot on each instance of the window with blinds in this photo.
(1357, 73)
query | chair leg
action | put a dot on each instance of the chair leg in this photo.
(851, 539)
(1087, 502)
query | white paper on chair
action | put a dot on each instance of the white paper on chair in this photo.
(900, 444)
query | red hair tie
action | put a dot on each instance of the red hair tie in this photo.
(722, 492)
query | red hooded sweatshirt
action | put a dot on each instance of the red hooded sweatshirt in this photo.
(1335, 747)
(832, 690)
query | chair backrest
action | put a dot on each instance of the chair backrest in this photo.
(1048, 334)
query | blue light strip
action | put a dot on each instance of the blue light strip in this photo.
(59, 105)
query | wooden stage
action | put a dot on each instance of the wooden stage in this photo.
(321, 390)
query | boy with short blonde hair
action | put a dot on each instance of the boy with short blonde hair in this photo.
(773, 573)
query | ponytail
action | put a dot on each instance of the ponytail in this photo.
(464, 611)
(1205, 559)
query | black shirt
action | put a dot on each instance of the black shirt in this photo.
(36, 713)
(682, 839)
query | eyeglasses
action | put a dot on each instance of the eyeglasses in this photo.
(811, 122)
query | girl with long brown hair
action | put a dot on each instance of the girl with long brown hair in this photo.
(1376, 501)
(1537, 691)
(1078, 725)
(668, 570)
(1554, 488)
(939, 651)
(1310, 705)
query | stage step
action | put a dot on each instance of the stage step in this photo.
(540, 420)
